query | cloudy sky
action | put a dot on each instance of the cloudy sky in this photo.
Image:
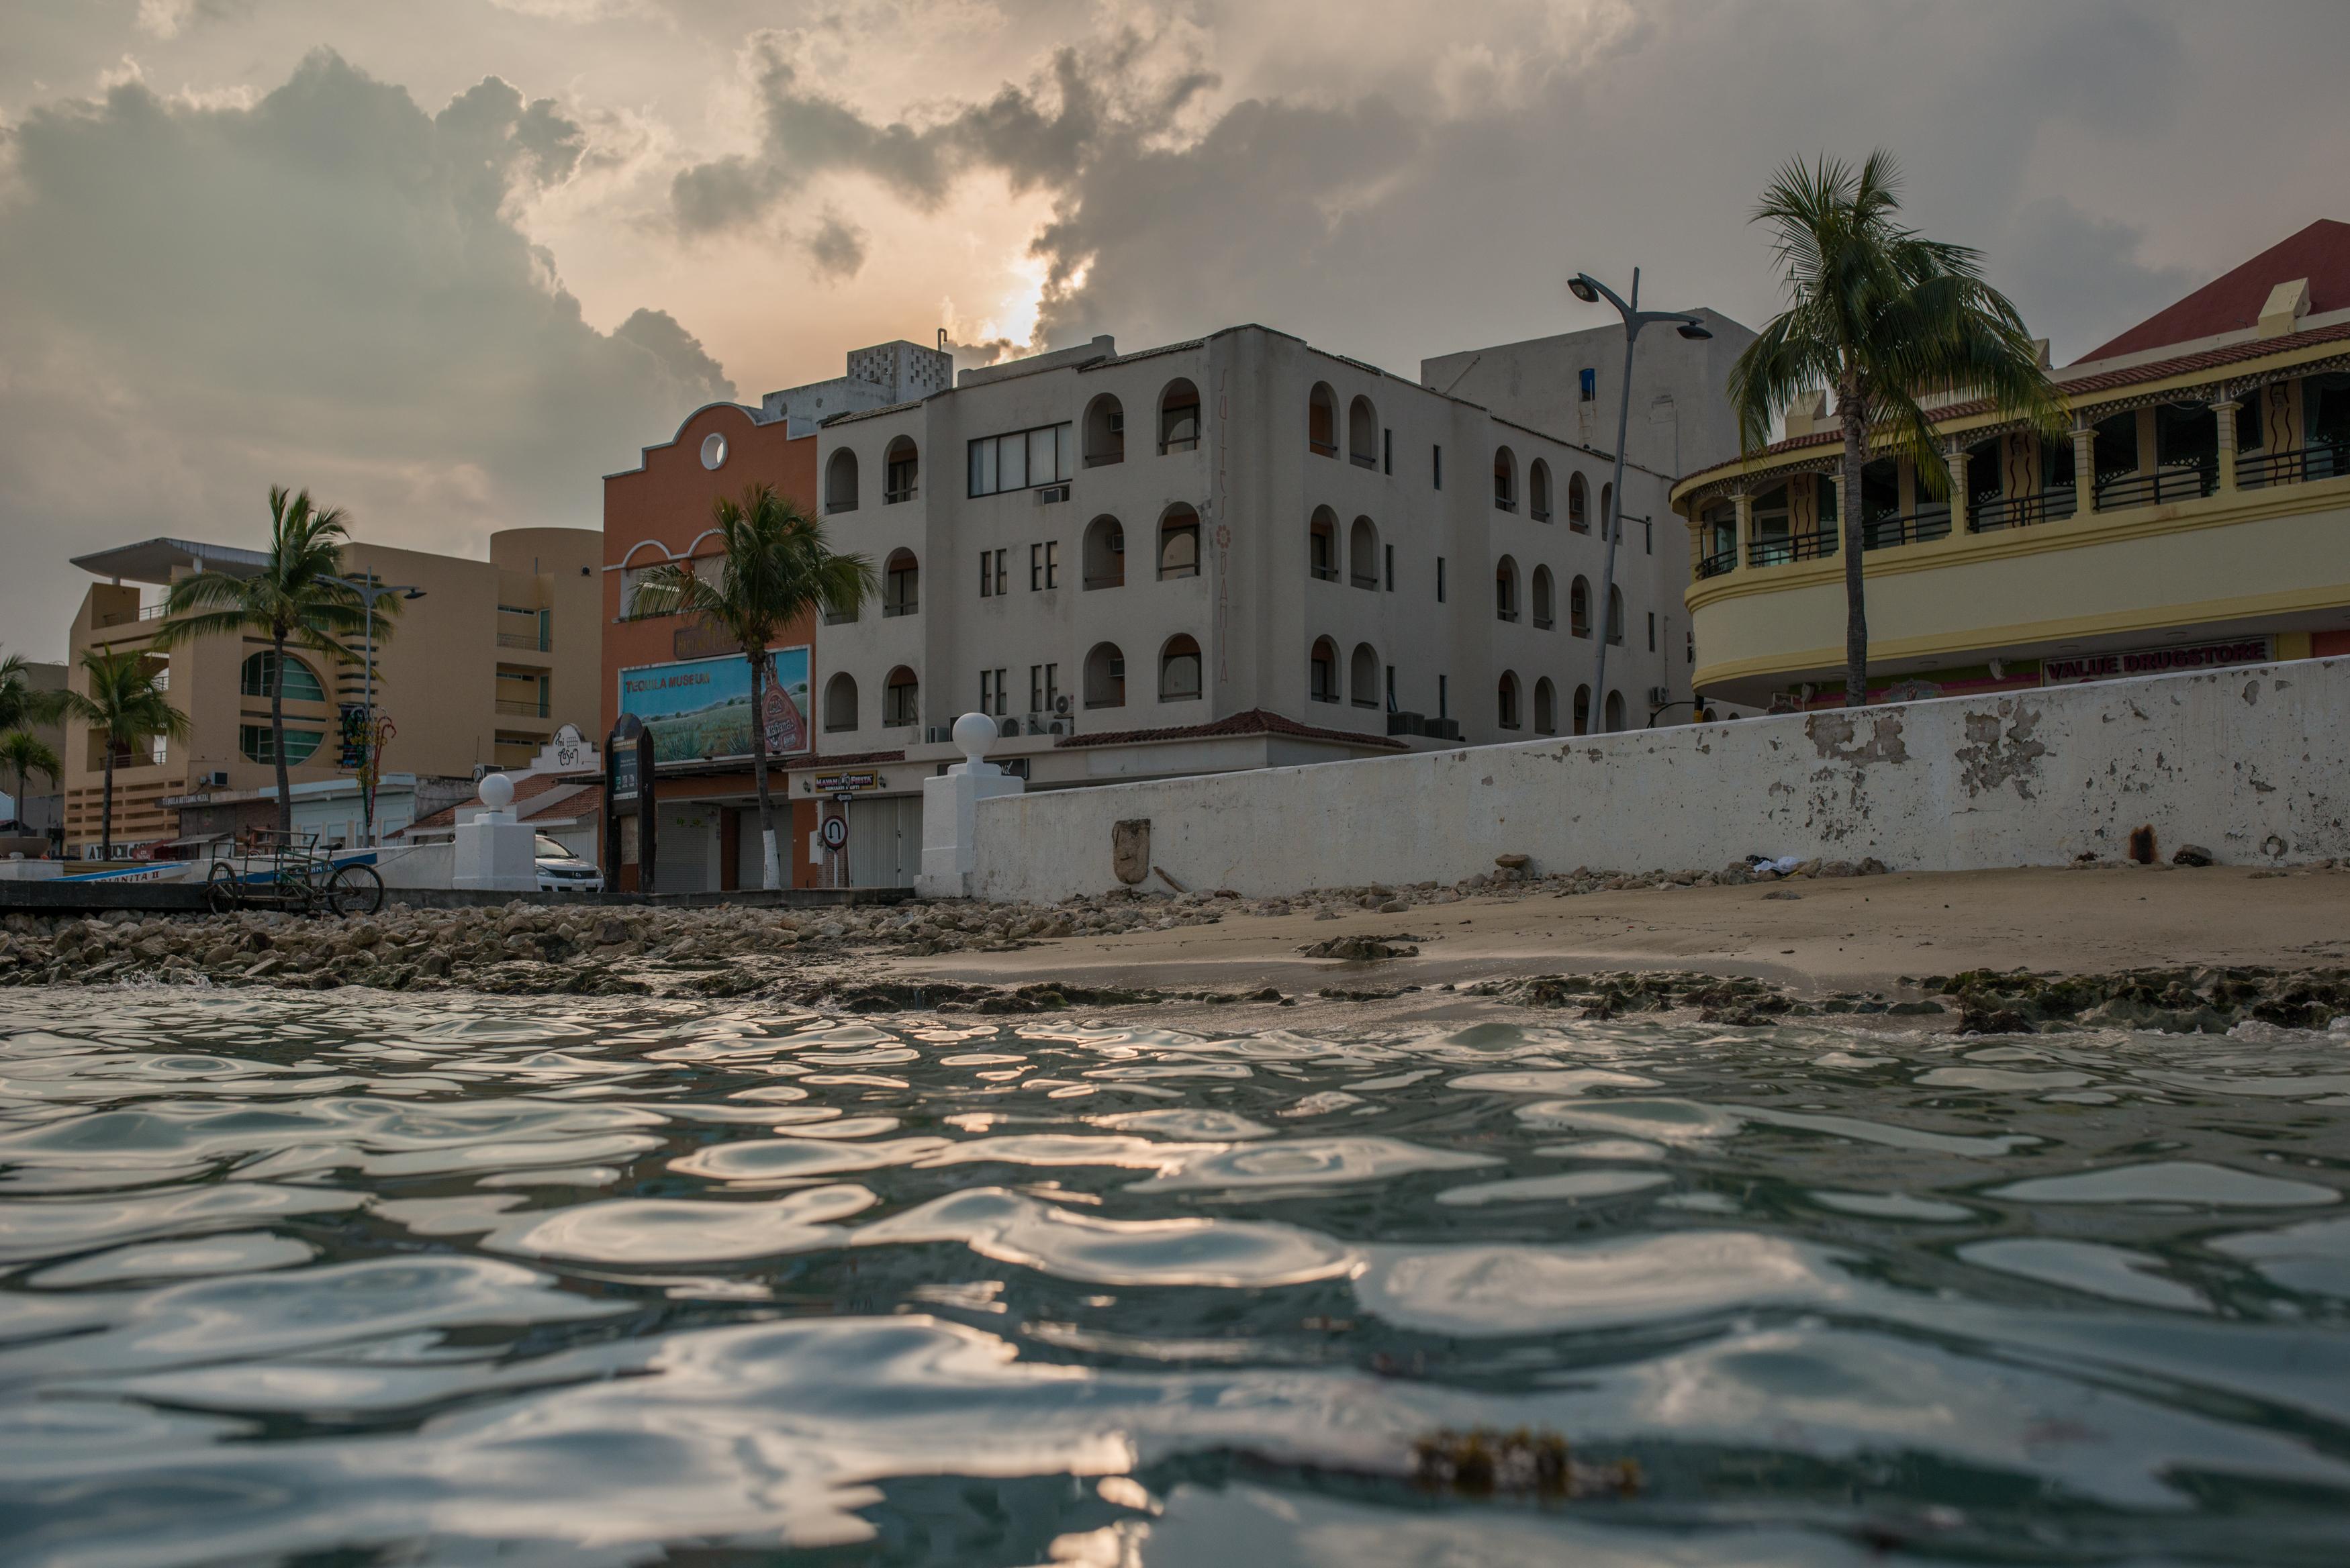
(446, 262)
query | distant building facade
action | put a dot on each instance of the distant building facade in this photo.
(43, 807)
(477, 674)
(2194, 516)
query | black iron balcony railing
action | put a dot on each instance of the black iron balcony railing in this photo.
(1718, 563)
(1505, 613)
(1815, 545)
(1323, 448)
(1361, 581)
(1990, 514)
(2294, 465)
(1105, 580)
(1324, 573)
(2180, 481)
(902, 607)
(1505, 504)
(1918, 528)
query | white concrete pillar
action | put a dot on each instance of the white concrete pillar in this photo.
(2224, 410)
(496, 850)
(1954, 457)
(2084, 470)
(1741, 503)
(950, 811)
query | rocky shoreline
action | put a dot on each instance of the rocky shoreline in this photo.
(825, 959)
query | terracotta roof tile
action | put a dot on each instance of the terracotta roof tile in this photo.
(2231, 302)
(530, 787)
(1254, 721)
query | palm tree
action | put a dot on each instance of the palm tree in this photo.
(1883, 317)
(20, 704)
(124, 706)
(25, 754)
(292, 598)
(776, 567)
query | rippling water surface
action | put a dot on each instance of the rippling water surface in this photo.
(311, 1278)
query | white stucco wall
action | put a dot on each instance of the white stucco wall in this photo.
(2229, 761)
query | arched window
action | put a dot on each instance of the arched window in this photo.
(302, 684)
(1615, 711)
(1321, 421)
(1363, 676)
(1578, 608)
(1363, 434)
(901, 471)
(1505, 589)
(1178, 543)
(1545, 706)
(1322, 546)
(1538, 490)
(840, 482)
(1578, 509)
(1505, 480)
(902, 698)
(1583, 710)
(1104, 553)
(1105, 431)
(902, 584)
(1363, 553)
(1179, 670)
(1607, 507)
(1616, 616)
(1541, 599)
(1105, 677)
(1505, 701)
(1178, 417)
(840, 702)
(1322, 672)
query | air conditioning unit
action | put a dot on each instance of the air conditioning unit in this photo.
(1048, 493)
(939, 735)
(1009, 729)
(1406, 724)
(217, 780)
(1441, 728)
(482, 771)
(1660, 695)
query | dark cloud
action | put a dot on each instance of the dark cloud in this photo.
(326, 289)
(836, 247)
(2060, 264)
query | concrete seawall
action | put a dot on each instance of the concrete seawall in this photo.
(2251, 764)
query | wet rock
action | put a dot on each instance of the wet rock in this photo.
(1362, 949)
(2193, 855)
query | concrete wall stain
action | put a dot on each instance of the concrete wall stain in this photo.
(2001, 750)
(1833, 735)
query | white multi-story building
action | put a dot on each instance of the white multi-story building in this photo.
(1230, 552)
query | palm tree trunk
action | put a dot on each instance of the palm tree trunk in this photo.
(277, 731)
(759, 764)
(106, 806)
(1856, 617)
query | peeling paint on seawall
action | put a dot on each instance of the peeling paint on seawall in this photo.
(2039, 778)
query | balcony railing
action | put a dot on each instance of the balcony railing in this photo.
(903, 606)
(1815, 545)
(1323, 448)
(2179, 483)
(1543, 623)
(1718, 563)
(904, 493)
(1505, 614)
(1504, 504)
(1106, 580)
(534, 640)
(1990, 514)
(1103, 458)
(1362, 459)
(1323, 574)
(129, 618)
(841, 618)
(1918, 528)
(1361, 581)
(514, 709)
(2295, 466)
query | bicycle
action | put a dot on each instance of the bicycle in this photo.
(298, 878)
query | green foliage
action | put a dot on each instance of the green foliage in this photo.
(289, 599)
(20, 704)
(124, 703)
(24, 754)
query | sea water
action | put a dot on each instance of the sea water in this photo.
(342, 1278)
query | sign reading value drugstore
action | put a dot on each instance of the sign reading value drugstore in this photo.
(2154, 661)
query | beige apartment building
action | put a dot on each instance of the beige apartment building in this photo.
(479, 673)
(2196, 516)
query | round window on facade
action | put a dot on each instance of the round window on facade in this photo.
(713, 449)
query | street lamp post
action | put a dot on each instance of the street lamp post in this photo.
(369, 590)
(1591, 291)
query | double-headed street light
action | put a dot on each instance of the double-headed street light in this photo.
(369, 590)
(1591, 291)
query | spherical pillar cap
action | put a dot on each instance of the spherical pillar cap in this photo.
(975, 732)
(497, 791)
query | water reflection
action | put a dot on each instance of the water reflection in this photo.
(585, 1283)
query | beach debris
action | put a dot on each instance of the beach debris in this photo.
(1528, 1462)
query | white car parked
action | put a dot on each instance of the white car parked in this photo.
(561, 871)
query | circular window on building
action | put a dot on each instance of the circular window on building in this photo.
(713, 449)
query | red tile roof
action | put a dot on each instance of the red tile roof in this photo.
(2231, 302)
(1254, 721)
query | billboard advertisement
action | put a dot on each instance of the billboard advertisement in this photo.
(701, 708)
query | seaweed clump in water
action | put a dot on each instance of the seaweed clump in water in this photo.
(1482, 1462)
